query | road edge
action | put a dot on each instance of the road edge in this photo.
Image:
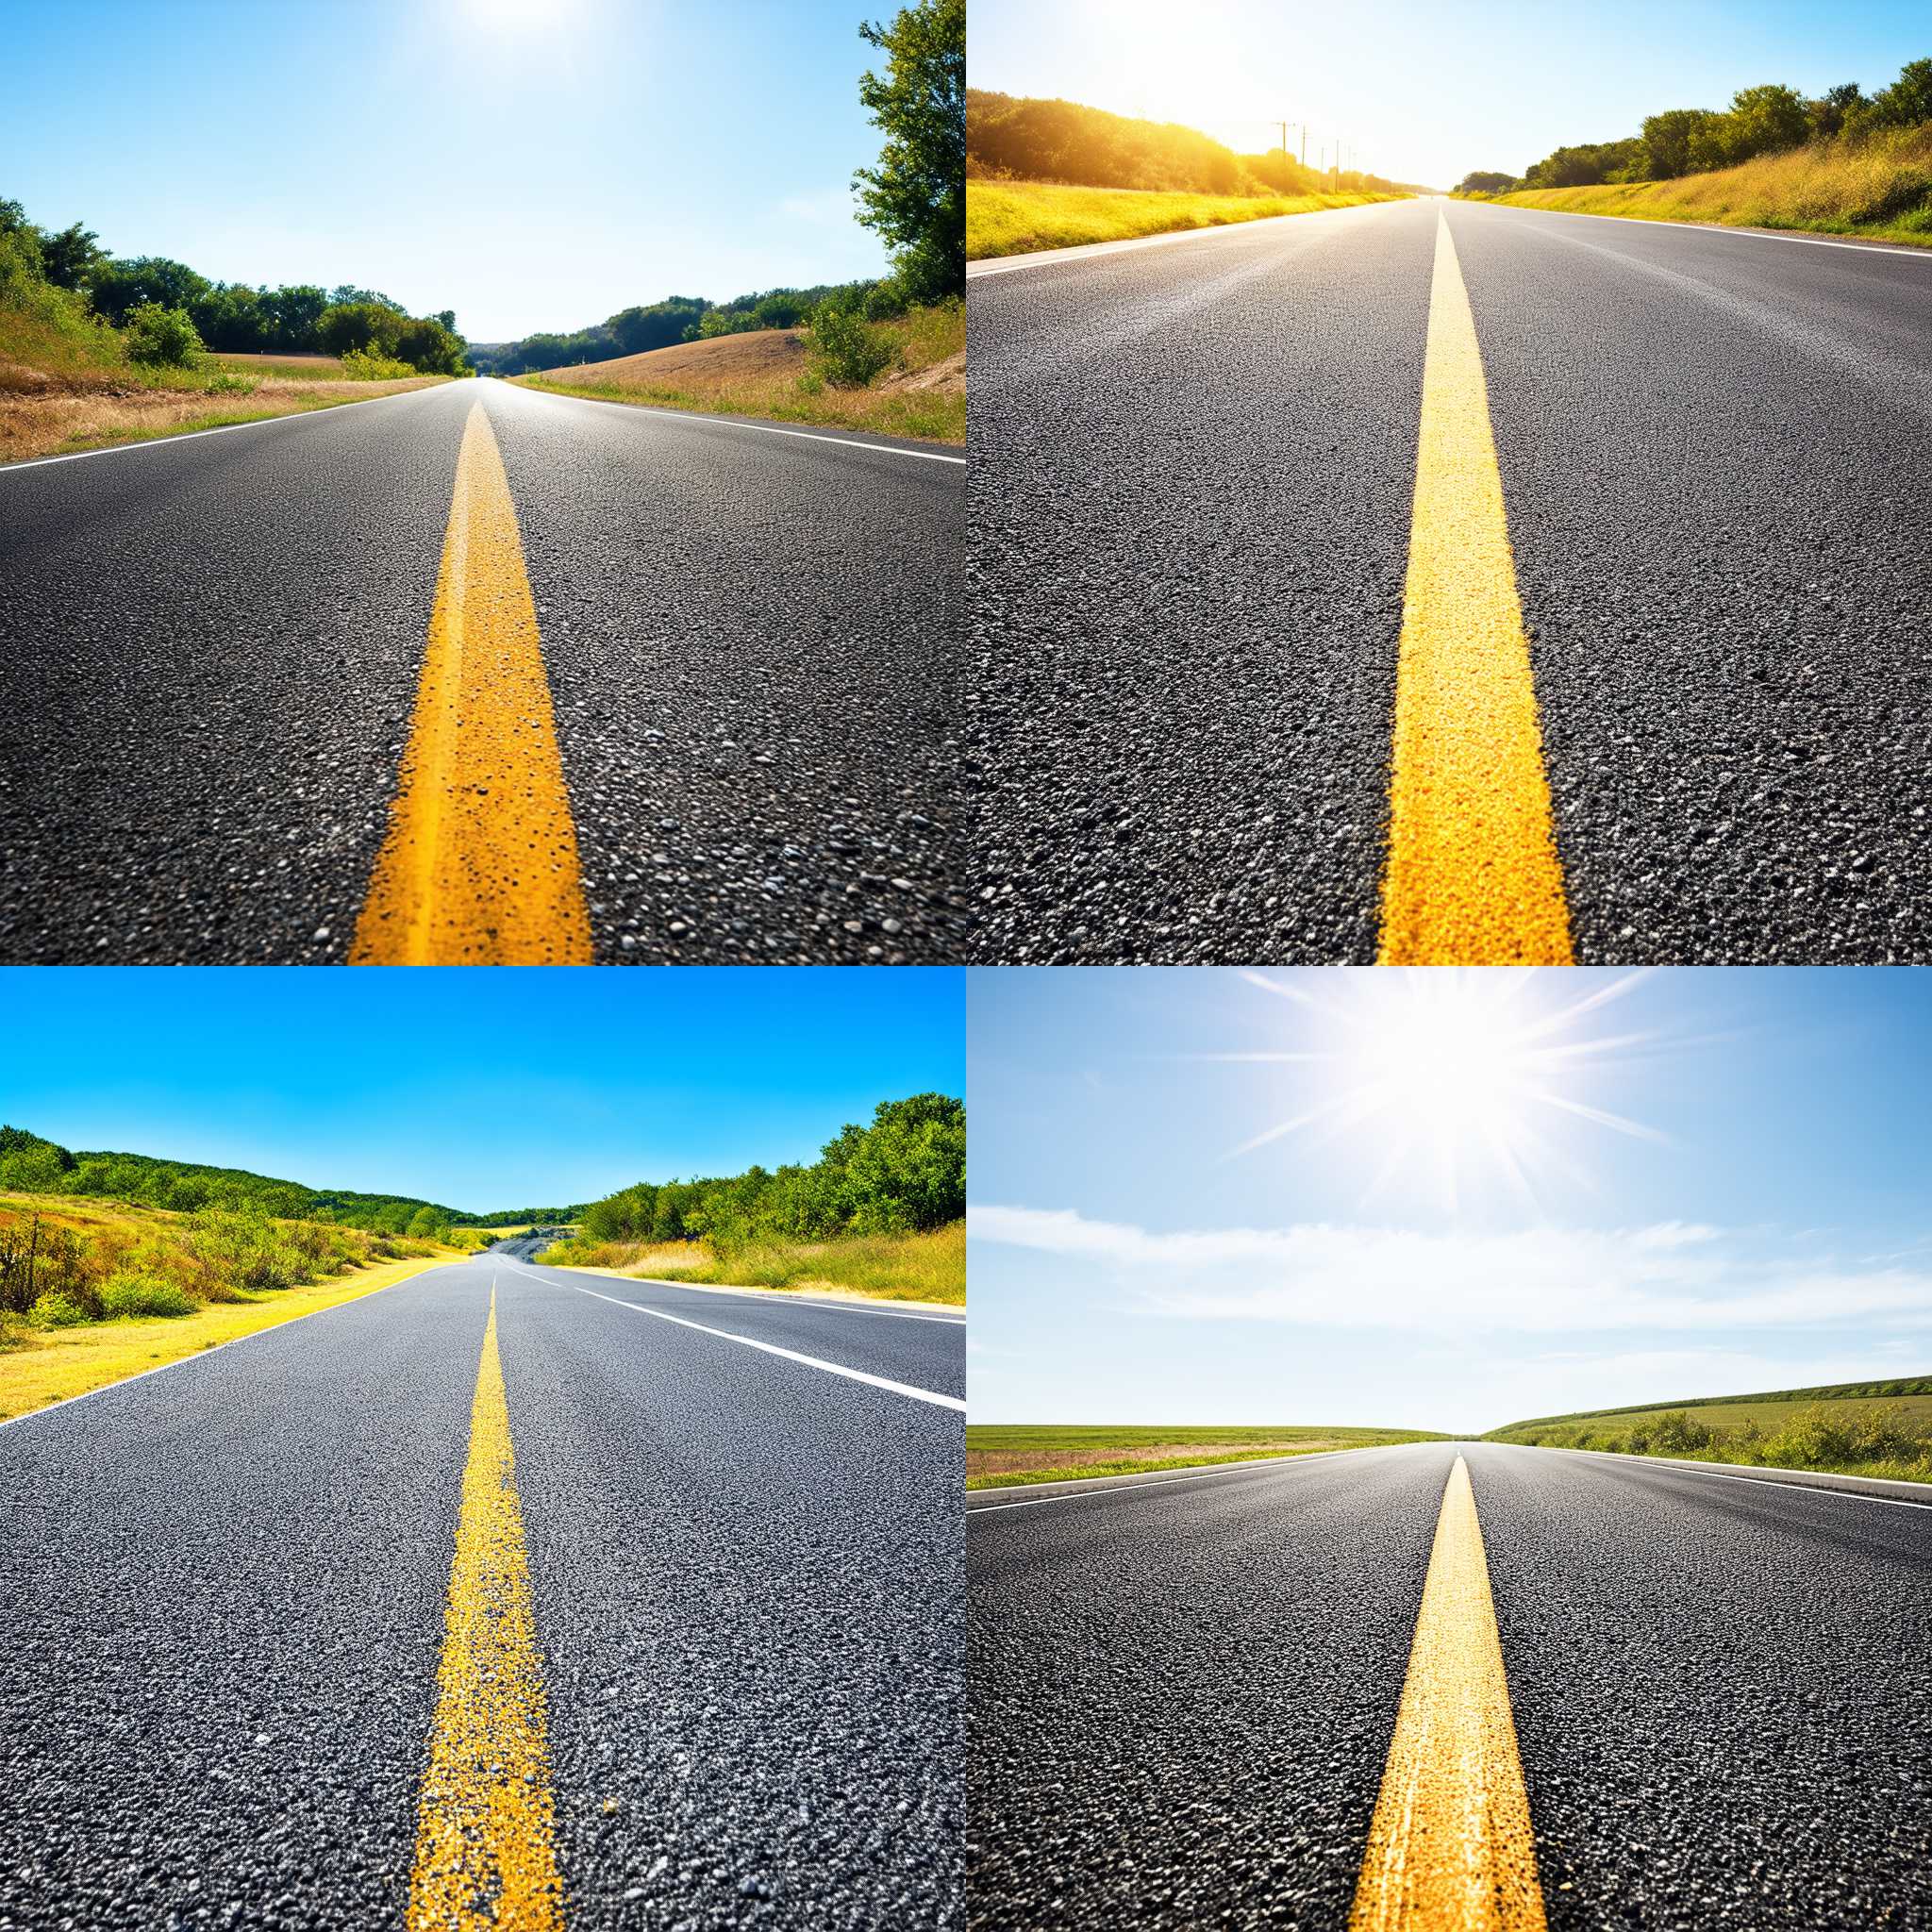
(199, 1355)
(1873, 1488)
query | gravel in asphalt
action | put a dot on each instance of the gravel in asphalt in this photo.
(221, 1598)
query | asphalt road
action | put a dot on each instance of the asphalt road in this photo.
(1193, 472)
(1183, 1694)
(210, 650)
(223, 1593)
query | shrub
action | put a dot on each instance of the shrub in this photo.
(127, 1296)
(846, 349)
(369, 365)
(161, 338)
(56, 1311)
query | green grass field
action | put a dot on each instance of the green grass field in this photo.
(1849, 1429)
(1004, 1455)
(1879, 188)
(1016, 217)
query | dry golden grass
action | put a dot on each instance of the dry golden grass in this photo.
(768, 373)
(928, 1267)
(248, 361)
(1018, 217)
(1880, 188)
(58, 421)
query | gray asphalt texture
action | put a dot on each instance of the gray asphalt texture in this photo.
(209, 651)
(221, 1594)
(1188, 511)
(1183, 1695)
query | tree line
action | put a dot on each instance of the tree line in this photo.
(661, 324)
(904, 1173)
(1695, 141)
(230, 318)
(1016, 138)
(33, 1165)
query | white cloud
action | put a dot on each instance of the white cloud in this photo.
(1672, 1276)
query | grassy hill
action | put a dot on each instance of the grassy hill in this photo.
(918, 389)
(1004, 1455)
(32, 1164)
(92, 1291)
(1879, 188)
(1051, 173)
(1856, 1428)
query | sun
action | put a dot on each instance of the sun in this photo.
(1445, 1078)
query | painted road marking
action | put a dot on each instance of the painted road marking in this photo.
(121, 449)
(789, 1355)
(1473, 875)
(1451, 1848)
(480, 864)
(485, 1836)
(890, 449)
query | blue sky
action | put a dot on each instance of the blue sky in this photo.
(481, 1090)
(1425, 92)
(531, 163)
(1510, 1195)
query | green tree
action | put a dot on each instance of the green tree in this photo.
(1668, 137)
(916, 195)
(69, 257)
(1765, 121)
(1908, 102)
(161, 338)
(117, 288)
(365, 326)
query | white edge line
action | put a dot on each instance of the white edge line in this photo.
(1725, 1475)
(771, 1297)
(121, 449)
(789, 1355)
(1086, 251)
(1128, 1487)
(201, 1355)
(890, 449)
(1575, 214)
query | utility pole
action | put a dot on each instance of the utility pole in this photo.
(1284, 141)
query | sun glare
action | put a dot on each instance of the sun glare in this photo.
(1448, 1079)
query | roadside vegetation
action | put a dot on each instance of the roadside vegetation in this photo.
(1016, 217)
(1053, 174)
(881, 1212)
(92, 1291)
(96, 350)
(1854, 1429)
(887, 354)
(903, 376)
(1843, 163)
(1005, 1455)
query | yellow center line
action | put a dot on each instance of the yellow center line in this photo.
(1451, 1848)
(480, 867)
(1472, 875)
(485, 1849)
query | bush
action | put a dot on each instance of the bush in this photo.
(161, 338)
(57, 1311)
(846, 349)
(125, 1296)
(367, 365)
